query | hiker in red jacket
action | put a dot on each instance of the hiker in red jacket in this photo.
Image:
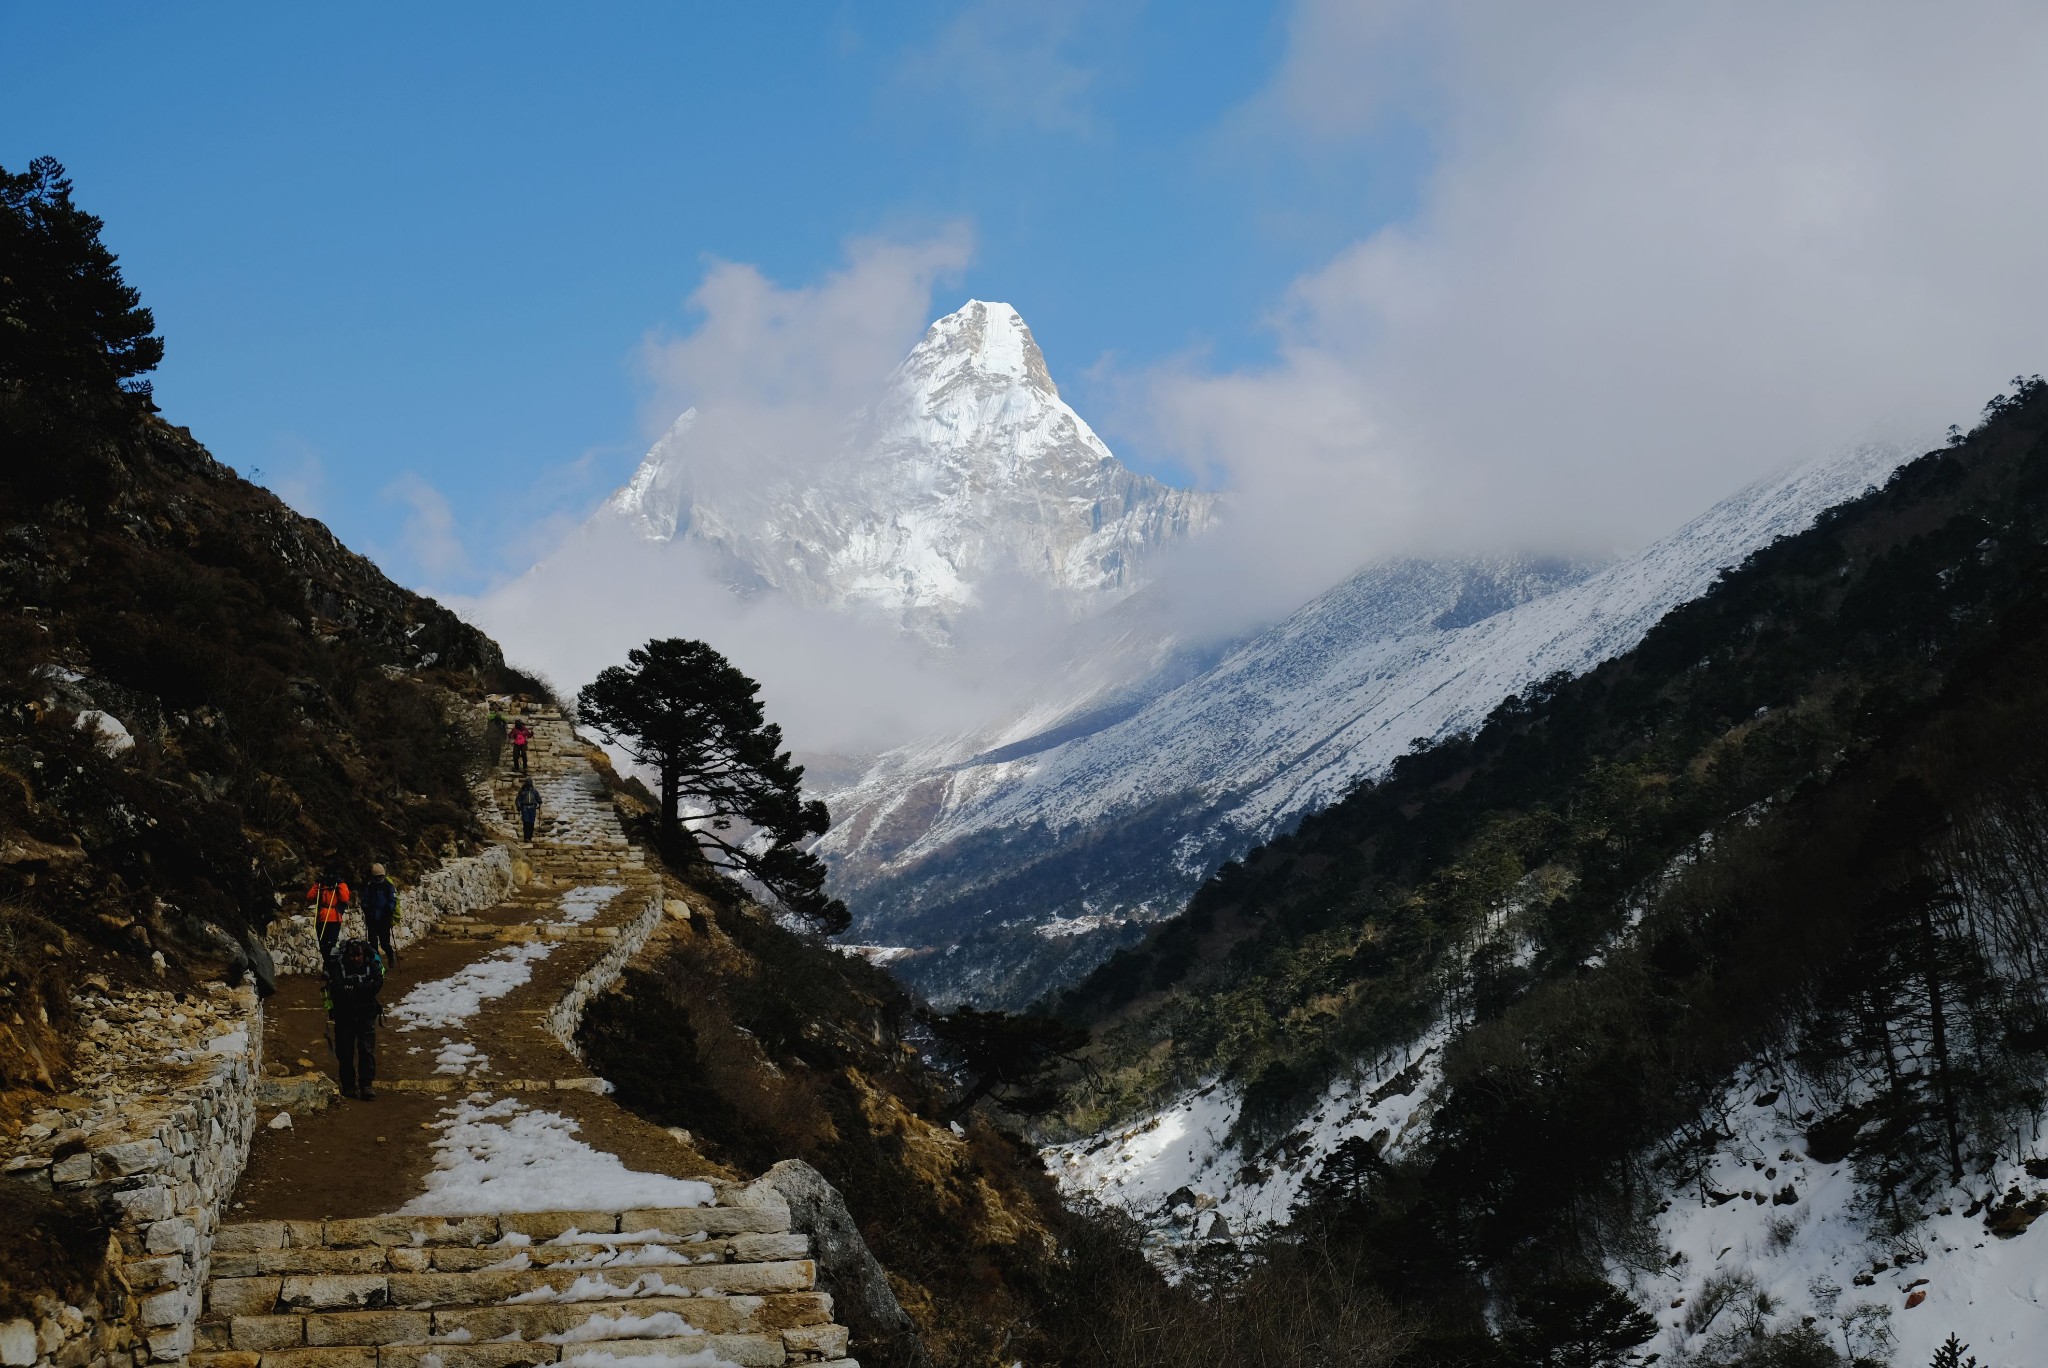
(521, 734)
(329, 898)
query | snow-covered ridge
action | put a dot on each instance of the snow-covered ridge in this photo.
(1289, 721)
(966, 474)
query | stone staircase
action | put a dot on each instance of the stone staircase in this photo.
(692, 1287)
(519, 1288)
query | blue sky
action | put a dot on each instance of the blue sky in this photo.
(1399, 275)
(405, 247)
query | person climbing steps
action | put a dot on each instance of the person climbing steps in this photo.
(521, 734)
(354, 979)
(528, 803)
(380, 914)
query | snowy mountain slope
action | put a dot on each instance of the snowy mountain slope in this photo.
(1764, 1214)
(1018, 873)
(966, 477)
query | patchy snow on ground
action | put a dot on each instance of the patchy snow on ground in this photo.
(1173, 1167)
(450, 1001)
(579, 905)
(589, 1288)
(110, 735)
(1765, 1214)
(508, 1157)
(625, 1325)
(459, 1057)
(875, 954)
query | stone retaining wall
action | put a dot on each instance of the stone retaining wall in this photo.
(567, 1014)
(454, 888)
(159, 1127)
(159, 1121)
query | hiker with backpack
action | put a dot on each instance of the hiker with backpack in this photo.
(380, 915)
(521, 734)
(528, 803)
(329, 897)
(494, 735)
(353, 980)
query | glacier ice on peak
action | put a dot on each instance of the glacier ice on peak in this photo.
(967, 477)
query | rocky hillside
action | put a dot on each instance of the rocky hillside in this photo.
(1712, 971)
(203, 695)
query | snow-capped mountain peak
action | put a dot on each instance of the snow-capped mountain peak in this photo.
(966, 468)
(981, 341)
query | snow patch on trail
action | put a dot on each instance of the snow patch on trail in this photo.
(604, 1326)
(1806, 1253)
(455, 999)
(590, 1288)
(506, 1157)
(458, 1057)
(579, 905)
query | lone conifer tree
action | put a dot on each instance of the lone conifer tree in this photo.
(682, 709)
(67, 319)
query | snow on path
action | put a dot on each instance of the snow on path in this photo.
(507, 1157)
(579, 905)
(447, 1002)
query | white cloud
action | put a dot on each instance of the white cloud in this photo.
(428, 540)
(774, 372)
(297, 475)
(1665, 249)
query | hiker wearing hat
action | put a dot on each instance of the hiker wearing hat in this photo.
(380, 914)
(353, 980)
(329, 898)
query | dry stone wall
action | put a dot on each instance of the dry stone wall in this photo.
(159, 1125)
(159, 1120)
(454, 888)
(567, 1014)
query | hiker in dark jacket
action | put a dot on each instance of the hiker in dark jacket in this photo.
(494, 735)
(528, 803)
(354, 978)
(379, 901)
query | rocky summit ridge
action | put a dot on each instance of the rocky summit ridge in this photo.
(967, 478)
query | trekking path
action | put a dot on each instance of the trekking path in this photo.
(493, 1207)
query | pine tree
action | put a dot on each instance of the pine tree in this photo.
(68, 322)
(1950, 1355)
(683, 709)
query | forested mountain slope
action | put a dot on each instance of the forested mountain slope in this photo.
(1012, 873)
(1797, 834)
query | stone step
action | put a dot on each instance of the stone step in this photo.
(531, 1322)
(747, 1351)
(274, 1294)
(571, 1246)
(726, 1218)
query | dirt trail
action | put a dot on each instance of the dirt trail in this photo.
(466, 1015)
